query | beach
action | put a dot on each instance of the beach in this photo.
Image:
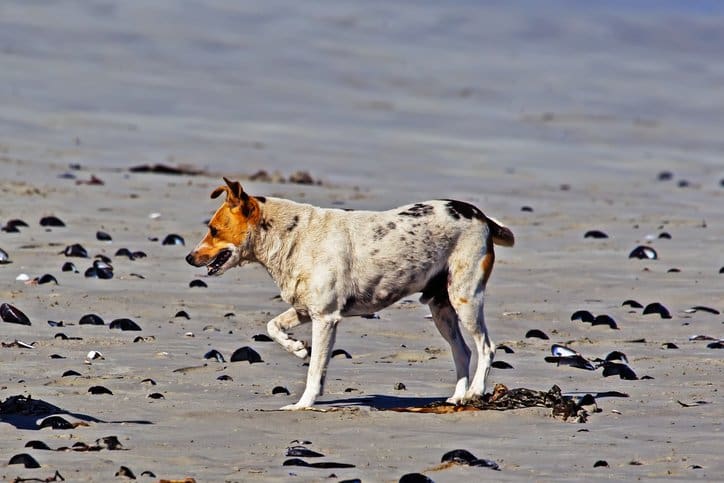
(556, 121)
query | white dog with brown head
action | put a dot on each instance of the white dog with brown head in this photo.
(332, 263)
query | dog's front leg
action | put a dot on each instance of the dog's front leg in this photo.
(324, 332)
(277, 328)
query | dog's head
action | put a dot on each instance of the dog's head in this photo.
(226, 244)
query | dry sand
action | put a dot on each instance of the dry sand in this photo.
(574, 116)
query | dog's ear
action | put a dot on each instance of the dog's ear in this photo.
(235, 195)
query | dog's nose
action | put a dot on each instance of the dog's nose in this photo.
(190, 259)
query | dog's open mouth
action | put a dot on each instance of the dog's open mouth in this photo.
(218, 262)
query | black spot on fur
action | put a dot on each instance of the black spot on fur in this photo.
(349, 303)
(260, 199)
(293, 224)
(417, 210)
(458, 209)
(379, 232)
(391, 225)
(436, 288)
(265, 224)
(374, 252)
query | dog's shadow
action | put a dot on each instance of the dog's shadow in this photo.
(380, 401)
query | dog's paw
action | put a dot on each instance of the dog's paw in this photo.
(455, 400)
(300, 349)
(294, 407)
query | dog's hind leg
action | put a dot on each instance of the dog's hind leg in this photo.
(278, 326)
(446, 321)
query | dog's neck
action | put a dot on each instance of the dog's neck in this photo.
(276, 239)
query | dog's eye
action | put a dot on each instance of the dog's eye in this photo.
(213, 231)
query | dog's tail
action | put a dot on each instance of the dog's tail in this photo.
(502, 235)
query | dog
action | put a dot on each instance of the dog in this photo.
(335, 263)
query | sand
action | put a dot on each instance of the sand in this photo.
(574, 116)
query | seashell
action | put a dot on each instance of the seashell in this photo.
(93, 355)
(605, 320)
(151, 474)
(665, 176)
(149, 381)
(562, 351)
(156, 395)
(501, 365)
(669, 345)
(197, 283)
(526, 208)
(102, 261)
(595, 234)
(173, 239)
(701, 308)
(399, 386)
(102, 273)
(10, 229)
(617, 356)
(75, 250)
(245, 354)
(4, 257)
(24, 459)
(125, 472)
(715, 345)
(721, 270)
(229, 314)
(69, 267)
(465, 457)
(189, 334)
(224, 377)
(322, 465)
(111, 443)
(99, 390)
(139, 254)
(14, 224)
(618, 369)
(47, 278)
(665, 235)
(124, 324)
(504, 348)
(57, 356)
(657, 308)
(24, 345)
(302, 452)
(182, 313)
(370, 316)
(583, 316)
(673, 270)
(91, 319)
(60, 336)
(701, 337)
(341, 352)
(262, 338)
(23, 277)
(643, 252)
(283, 390)
(55, 422)
(10, 313)
(51, 221)
(70, 372)
(35, 444)
(600, 463)
(415, 478)
(576, 360)
(536, 334)
(214, 354)
(124, 252)
(103, 236)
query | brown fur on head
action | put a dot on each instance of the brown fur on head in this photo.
(229, 229)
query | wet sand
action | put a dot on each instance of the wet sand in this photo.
(581, 144)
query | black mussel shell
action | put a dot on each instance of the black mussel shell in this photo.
(149, 381)
(669, 345)
(16, 222)
(600, 463)
(665, 176)
(70, 372)
(246, 354)
(224, 377)
(51, 221)
(103, 236)
(527, 209)
(124, 324)
(261, 338)
(302, 452)
(702, 308)
(536, 334)
(617, 369)
(35, 444)
(91, 319)
(124, 252)
(465, 457)
(715, 345)
(605, 320)
(156, 395)
(24, 459)
(632, 303)
(583, 316)
(55, 422)
(214, 354)
(643, 252)
(501, 365)
(109, 442)
(182, 313)
(282, 390)
(4, 257)
(102, 258)
(57, 356)
(12, 314)
(197, 283)
(665, 235)
(595, 234)
(101, 273)
(150, 474)
(99, 390)
(47, 278)
(125, 472)
(322, 465)
(721, 270)
(577, 361)
(75, 250)
(139, 254)
(504, 348)
(657, 308)
(562, 351)
(173, 239)
(10, 229)
(617, 356)
(69, 267)
(341, 352)
(53, 323)
(414, 478)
